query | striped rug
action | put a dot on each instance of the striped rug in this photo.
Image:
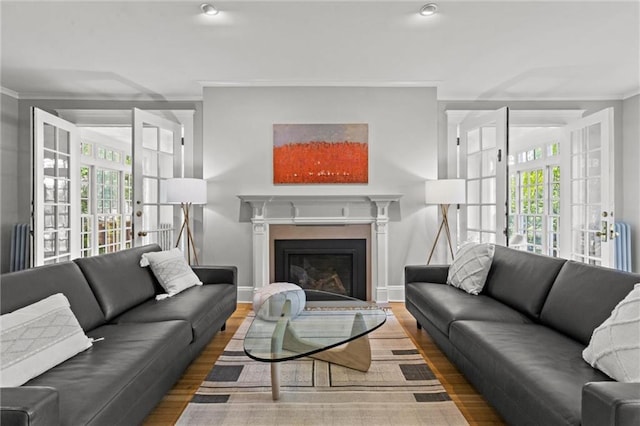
(398, 389)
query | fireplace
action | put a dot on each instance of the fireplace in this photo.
(333, 265)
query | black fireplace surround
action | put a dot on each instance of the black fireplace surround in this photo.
(333, 265)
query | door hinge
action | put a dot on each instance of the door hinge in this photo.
(458, 141)
(499, 155)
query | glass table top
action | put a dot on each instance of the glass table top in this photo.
(328, 320)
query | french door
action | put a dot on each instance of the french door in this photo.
(483, 163)
(157, 155)
(587, 197)
(55, 189)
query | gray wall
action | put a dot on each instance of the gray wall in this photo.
(631, 172)
(626, 122)
(238, 144)
(9, 148)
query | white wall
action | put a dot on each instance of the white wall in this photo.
(237, 159)
(631, 172)
(9, 171)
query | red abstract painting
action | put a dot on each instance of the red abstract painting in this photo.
(320, 153)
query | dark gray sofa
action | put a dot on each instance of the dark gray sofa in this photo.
(520, 341)
(147, 343)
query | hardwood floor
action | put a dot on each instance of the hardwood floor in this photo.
(472, 405)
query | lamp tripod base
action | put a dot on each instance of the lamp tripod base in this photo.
(444, 208)
(189, 237)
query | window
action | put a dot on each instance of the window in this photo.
(106, 195)
(534, 200)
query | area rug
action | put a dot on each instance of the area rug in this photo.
(398, 389)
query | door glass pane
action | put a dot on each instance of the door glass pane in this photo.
(593, 191)
(166, 165)
(488, 137)
(149, 163)
(488, 163)
(63, 141)
(166, 141)
(579, 192)
(593, 165)
(473, 165)
(63, 190)
(150, 138)
(473, 141)
(166, 215)
(63, 165)
(473, 217)
(488, 190)
(49, 163)
(473, 192)
(150, 190)
(150, 217)
(594, 133)
(49, 136)
(578, 165)
(489, 218)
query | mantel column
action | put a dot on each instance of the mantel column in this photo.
(260, 231)
(380, 251)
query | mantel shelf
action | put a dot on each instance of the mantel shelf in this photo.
(282, 198)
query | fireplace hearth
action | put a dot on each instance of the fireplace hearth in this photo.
(333, 265)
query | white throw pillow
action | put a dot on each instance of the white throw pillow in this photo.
(172, 271)
(275, 295)
(614, 347)
(38, 337)
(470, 267)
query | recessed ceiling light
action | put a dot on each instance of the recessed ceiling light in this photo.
(208, 9)
(429, 9)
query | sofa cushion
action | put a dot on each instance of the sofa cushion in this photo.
(444, 304)
(23, 288)
(539, 369)
(591, 292)
(117, 279)
(200, 306)
(171, 270)
(38, 337)
(99, 385)
(521, 279)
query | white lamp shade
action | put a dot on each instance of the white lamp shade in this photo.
(184, 190)
(445, 191)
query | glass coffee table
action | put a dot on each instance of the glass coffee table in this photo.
(327, 321)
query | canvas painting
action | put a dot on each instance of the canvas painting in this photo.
(320, 153)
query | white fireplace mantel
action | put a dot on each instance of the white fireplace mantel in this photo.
(323, 210)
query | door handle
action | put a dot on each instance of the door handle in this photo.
(603, 233)
(142, 234)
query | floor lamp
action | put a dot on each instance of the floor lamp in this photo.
(444, 192)
(186, 191)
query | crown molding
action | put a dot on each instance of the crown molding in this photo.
(9, 92)
(319, 83)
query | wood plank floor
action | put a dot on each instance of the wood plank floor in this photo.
(472, 405)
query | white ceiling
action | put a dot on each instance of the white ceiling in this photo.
(470, 50)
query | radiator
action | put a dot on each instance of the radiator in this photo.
(623, 246)
(19, 247)
(165, 236)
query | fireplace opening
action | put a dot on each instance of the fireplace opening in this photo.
(333, 265)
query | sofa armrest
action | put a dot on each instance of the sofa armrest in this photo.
(29, 406)
(217, 274)
(426, 274)
(610, 403)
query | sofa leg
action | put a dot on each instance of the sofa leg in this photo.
(419, 326)
(224, 327)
